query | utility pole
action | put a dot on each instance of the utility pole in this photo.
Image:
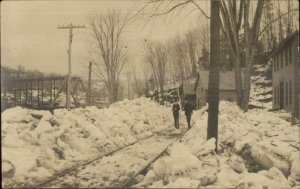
(89, 83)
(214, 73)
(128, 81)
(70, 27)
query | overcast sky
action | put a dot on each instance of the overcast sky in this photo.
(29, 34)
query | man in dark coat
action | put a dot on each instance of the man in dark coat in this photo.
(188, 108)
(175, 109)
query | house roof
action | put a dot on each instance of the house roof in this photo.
(284, 42)
(227, 81)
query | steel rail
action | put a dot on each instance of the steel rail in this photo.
(47, 181)
(129, 181)
(44, 183)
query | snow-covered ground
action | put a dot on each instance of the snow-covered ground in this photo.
(264, 136)
(257, 149)
(37, 144)
(117, 169)
(261, 87)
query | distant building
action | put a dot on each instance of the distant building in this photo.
(197, 91)
(286, 75)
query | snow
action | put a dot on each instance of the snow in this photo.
(261, 87)
(6, 167)
(38, 148)
(180, 161)
(183, 183)
(271, 138)
(115, 170)
(149, 178)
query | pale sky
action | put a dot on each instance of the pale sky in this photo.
(29, 34)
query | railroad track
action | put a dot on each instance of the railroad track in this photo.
(87, 174)
(128, 183)
(45, 182)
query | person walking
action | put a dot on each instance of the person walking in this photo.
(188, 109)
(175, 109)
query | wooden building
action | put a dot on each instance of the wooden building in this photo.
(196, 91)
(286, 75)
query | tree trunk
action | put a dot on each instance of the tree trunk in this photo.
(251, 38)
(114, 92)
(238, 79)
(281, 35)
(147, 88)
(247, 81)
(162, 80)
(214, 74)
(110, 97)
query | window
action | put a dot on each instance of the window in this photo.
(297, 52)
(275, 95)
(277, 62)
(290, 53)
(286, 93)
(291, 93)
(281, 60)
(278, 95)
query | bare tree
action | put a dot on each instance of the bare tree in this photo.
(280, 25)
(204, 36)
(269, 36)
(284, 27)
(178, 58)
(192, 42)
(289, 19)
(146, 78)
(156, 56)
(184, 52)
(111, 53)
(231, 25)
(138, 84)
(251, 34)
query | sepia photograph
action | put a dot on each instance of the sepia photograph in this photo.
(150, 94)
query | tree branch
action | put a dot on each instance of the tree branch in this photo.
(274, 20)
(200, 9)
(240, 15)
(171, 9)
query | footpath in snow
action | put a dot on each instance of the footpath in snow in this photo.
(258, 149)
(37, 145)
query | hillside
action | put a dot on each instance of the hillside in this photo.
(261, 86)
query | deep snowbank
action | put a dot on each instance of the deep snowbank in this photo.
(261, 86)
(36, 144)
(272, 142)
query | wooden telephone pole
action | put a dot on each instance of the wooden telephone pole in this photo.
(70, 27)
(214, 73)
